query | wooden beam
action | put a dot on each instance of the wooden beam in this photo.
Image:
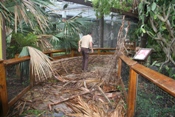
(88, 3)
(132, 93)
(160, 80)
(17, 97)
(3, 90)
(127, 14)
(16, 60)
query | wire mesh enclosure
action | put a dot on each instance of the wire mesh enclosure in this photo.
(150, 94)
(17, 78)
(152, 101)
(125, 75)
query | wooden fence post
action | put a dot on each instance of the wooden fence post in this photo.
(132, 93)
(3, 91)
(32, 76)
(98, 52)
(119, 69)
(72, 53)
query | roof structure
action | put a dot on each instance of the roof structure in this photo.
(67, 8)
(88, 3)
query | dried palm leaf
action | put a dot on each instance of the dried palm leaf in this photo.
(28, 11)
(120, 110)
(40, 64)
(83, 109)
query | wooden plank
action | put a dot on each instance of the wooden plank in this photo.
(72, 53)
(16, 98)
(83, 2)
(132, 93)
(16, 60)
(3, 89)
(54, 51)
(88, 3)
(104, 48)
(128, 61)
(21, 59)
(32, 77)
(162, 81)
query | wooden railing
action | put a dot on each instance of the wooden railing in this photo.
(164, 82)
(3, 88)
(167, 84)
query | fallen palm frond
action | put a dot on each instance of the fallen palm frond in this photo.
(104, 95)
(120, 110)
(40, 65)
(83, 109)
(69, 98)
(120, 49)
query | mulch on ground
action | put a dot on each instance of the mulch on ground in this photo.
(84, 94)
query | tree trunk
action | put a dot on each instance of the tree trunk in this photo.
(101, 31)
(3, 39)
(143, 41)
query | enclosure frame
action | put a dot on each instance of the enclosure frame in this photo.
(160, 80)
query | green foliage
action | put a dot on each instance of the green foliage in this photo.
(157, 20)
(62, 42)
(24, 66)
(33, 112)
(66, 35)
(25, 40)
(166, 69)
(103, 7)
(18, 41)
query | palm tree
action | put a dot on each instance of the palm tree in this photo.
(26, 11)
(19, 13)
(26, 16)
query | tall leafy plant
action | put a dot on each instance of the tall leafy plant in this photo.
(157, 20)
(18, 41)
(67, 32)
(103, 7)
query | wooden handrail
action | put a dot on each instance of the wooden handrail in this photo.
(162, 81)
(16, 60)
(25, 58)
(3, 90)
